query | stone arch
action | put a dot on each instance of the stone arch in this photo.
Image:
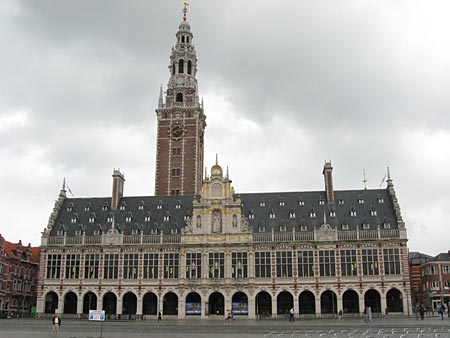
(372, 298)
(170, 304)
(193, 304)
(239, 303)
(110, 303)
(51, 302)
(263, 304)
(70, 302)
(307, 303)
(394, 300)
(89, 302)
(350, 301)
(216, 304)
(129, 303)
(181, 66)
(328, 302)
(179, 97)
(285, 302)
(150, 304)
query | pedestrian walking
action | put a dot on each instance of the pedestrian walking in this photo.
(340, 315)
(291, 315)
(56, 322)
(160, 316)
(421, 311)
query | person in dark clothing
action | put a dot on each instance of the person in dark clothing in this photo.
(421, 311)
(159, 316)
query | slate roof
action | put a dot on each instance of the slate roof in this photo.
(363, 209)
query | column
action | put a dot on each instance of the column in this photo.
(119, 305)
(274, 305)
(251, 307)
(60, 308)
(339, 303)
(80, 305)
(318, 308)
(181, 308)
(204, 308)
(139, 306)
(361, 303)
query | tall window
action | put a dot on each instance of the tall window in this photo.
(193, 265)
(72, 266)
(216, 265)
(391, 262)
(262, 265)
(305, 263)
(91, 266)
(189, 67)
(54, 266)
(327, 263)
(370, 262)
(151, 266)
(181, 66)
(130, 266)
(239, 265)
(111, 266)
(349, 267)
(284, 264)
(171, 265)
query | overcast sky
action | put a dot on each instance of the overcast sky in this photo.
(286, 85)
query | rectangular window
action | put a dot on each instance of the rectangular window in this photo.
(391, 261)
(193, 265)
(72, 266)
(370, 262)
(305, 263)
(176, 172)
(111, 266)
(151, 265)
(262, 265)
(445, 269)
(171, 265)
(349, 266)
(176, 151)
(216, 265)
(130, 266)
(434, 269)
(327, 263)
(284, 264)
(53, 266)
(91, 266)
(239, 265)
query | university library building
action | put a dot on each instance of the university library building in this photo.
(198, 248)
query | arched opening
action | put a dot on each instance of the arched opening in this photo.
(129, 304)
(110, 303)
(51, 302)
(179, 97)
(70, 303)
(372, 298)
(216, 304)
(350, 302)
(187, 39)
(173, 68)
(181, 67)
(170, 304)
(150, 304)
(239, 303)
(285, 302)
(189, 70)
(263, 304)
(182, 39)
(328, 302)
(193, 304)
(307, 303)
(394, 300)
(89, 302)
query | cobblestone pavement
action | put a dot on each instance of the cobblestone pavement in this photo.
(243, 328)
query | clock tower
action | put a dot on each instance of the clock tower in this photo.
(181, 122)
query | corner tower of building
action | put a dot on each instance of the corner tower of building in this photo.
(181, 122)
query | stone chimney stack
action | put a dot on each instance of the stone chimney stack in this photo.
(328, 176)
(117, 189)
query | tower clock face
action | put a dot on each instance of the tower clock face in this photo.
(176, 131)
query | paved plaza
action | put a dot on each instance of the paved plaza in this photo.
(243, 328)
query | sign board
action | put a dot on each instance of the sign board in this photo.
(98, 315)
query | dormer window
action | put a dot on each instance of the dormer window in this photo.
(105, 206)
(353, 212)
(282, 228)
(91, 219)
(292, 215)
(135, 231)
(301, 203)
(174, 231)
(251, 216)
(128, 219)
(178, 205)
(303, 228)
(282, 203)
(166, 218)
(87, 207)
(261, 228)
(159, 206)
(360, 201)
(312, 214)
(373, 212)
(366, 226)
(60, 232)
(70, 208)
(109, 219)
(262, 204)
(380, 200)
(78, 232)
(344, 226)
(154, 231)
(321, 202)
(123, 206)
(140, 207)
(96, 232)
(332, 213)
(386, 225)
(341, 201)
(272, 215)
(187, 217)
(73, 219)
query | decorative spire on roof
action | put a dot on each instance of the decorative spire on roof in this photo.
(160, 101)
(185, 9)
(217, 159)
(364, 179)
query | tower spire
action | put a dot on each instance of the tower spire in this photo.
(185, 9)
(160, 101)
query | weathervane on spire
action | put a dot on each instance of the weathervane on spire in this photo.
(185, 9)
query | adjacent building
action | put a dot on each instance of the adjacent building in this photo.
(19, 267)
(199, 248)
(435, 281)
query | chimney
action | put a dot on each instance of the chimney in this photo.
(117, 189)
(328, 176)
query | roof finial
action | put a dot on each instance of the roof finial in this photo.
(227, 176)
(206, 173)
(364, 179)
(185, 9)
(217, 159)
(388, 173)
(160, 101)
(64, 185)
